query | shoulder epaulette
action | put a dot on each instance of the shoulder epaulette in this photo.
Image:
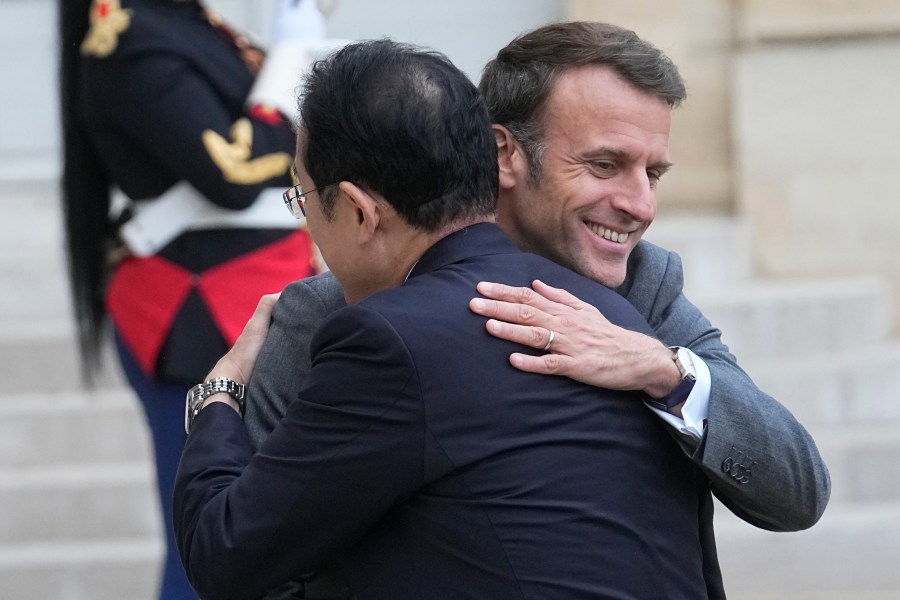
(108, 21)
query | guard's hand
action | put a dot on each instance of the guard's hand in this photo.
(237, 364)
(585, 345)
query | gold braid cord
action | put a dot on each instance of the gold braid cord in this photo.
(233, 158)
(108, 21)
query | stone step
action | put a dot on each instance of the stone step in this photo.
(41, 356)
(845, 386)
(34, 287)
(78, 501)
(34, 218)
(799, 318)
(851, 554)
(82, 569)
(848, 402)
(76, 427)
(33, 275)
(863, 462)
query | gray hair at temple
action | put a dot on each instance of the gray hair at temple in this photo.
(517, 83)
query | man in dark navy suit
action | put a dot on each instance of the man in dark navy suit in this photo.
(416, 455)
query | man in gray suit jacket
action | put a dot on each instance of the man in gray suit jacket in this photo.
(578, 186)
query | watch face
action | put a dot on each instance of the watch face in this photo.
(685, 364)
(191, 404)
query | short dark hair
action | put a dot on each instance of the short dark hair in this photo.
(404, 122)
(517, 83)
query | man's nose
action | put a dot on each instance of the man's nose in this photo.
(636, 198)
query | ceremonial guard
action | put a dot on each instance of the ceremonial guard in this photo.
(178, 145)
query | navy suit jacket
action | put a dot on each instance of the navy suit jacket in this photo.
(759, 459)
(429, 467)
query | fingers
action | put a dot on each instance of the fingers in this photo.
(535, 337)
(540, 296)
(514, 314)
(266, 305)
(548, 364)
(519, 305)
(262, 316)
(242, 355)
(519, 314)
(507, 293)
(557, 295)
(533, 317)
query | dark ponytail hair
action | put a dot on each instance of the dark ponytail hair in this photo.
(85, 194)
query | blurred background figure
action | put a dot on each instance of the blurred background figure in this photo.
(177, 146)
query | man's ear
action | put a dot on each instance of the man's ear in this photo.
(511, 160)
(364, 207)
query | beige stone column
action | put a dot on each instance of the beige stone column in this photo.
(817, 136)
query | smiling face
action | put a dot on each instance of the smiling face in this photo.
(605, 148)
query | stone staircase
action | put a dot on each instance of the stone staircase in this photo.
(79, 517)
(823, 348)
(78, 512)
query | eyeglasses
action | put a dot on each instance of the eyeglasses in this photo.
(293, 199)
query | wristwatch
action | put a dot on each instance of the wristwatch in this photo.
(685, 364)
(200, 392)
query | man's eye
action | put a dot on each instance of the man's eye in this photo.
(653, 176)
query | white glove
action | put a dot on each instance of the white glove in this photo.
(298, 39)
(297, 20)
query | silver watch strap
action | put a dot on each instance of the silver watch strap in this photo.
(200, 392)
(223, 384)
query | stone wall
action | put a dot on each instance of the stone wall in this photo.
(817, 136)
(771, 20)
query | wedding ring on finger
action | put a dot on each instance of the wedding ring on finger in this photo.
(550, 340)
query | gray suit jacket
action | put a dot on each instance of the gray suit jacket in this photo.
(761, 463)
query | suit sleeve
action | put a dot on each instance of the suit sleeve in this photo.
(159, 102)
(284, 360)
(347, 450)
(761, 462)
